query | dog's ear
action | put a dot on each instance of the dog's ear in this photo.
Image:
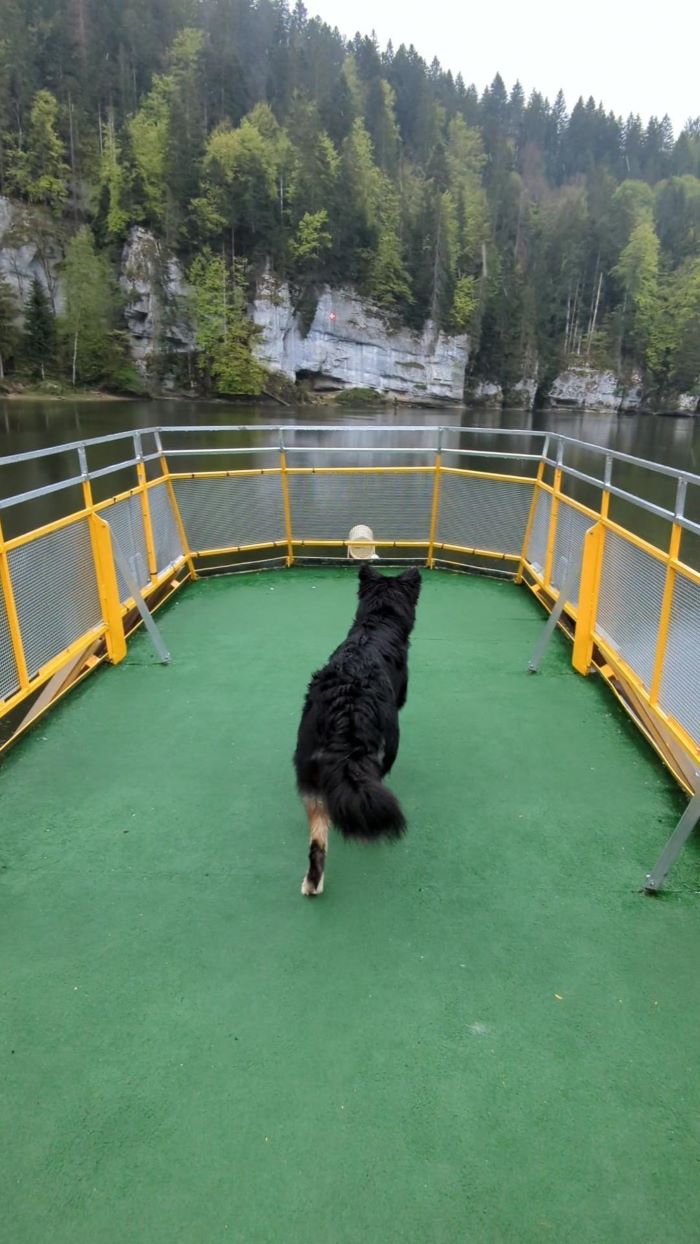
(367, 577)
(411, 580)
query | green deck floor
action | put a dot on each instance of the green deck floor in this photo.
(482, 1034)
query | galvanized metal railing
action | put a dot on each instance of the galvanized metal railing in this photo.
(205, 498)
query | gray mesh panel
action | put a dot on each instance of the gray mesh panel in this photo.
(572, 526)
(483, 513)
(629, 605)
(126, 521)
(9, 681)
(236, 510)
(55, 592)
(680, 682)
(166, 536)
(537, 549)
(395, 507)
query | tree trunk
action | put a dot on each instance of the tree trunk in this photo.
(595, 311)
(436, 264)
(75, 356)
(223, 294)
(2, 369)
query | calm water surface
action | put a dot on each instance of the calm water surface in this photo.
(30, 425)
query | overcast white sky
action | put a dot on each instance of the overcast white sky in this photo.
(635, 57)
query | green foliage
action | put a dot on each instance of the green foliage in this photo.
(9, 336)
(638, 272)
(39, 339)
(388, 279)
(359, 397)
(311, 240)
(87, 328)
(39, 171)
(245, 170)
(113, 181)
(464, 303)
(148, 131)
(223, 332)
(681, 327)
(261, 133)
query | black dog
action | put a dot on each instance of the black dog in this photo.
(349, 731)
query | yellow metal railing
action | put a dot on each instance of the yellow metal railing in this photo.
(432, 510)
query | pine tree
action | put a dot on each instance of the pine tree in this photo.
(113, 181)
(39, 171)
(39, 339)
(8, 325)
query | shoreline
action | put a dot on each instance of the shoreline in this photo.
(82, 395)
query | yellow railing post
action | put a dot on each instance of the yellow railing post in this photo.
(284, 478)
(13, 623)
(105, 569)
(167, 476)
(589, 587)
(553, 517)
(145, 509)
(591, 566)
(674, 549)
(107, 587)
(533, 509)
(435, 509)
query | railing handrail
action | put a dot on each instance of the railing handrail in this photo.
(439, 429)
(551, 452)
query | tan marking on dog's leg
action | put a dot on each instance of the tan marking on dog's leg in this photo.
(319, 824)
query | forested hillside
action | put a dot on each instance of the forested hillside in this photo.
(243, 133)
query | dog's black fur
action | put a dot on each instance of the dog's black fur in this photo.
(349, 731)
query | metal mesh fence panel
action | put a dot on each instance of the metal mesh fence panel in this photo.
(537, 547)
(572, 526)
(9, 682)
(395, 507)
(680, 682)
(166, 536)
(230, 512)
(483, 513)
(126, 521)
(55, 592)
(629, 605)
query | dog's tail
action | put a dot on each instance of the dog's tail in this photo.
(359, 805)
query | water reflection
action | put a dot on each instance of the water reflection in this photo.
(28, 425)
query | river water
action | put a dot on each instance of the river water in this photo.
(29, 425)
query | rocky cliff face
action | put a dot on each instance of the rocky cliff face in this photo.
(597, 390)
(604, 390)
(29, 249)
(155, 295)
(349, 346)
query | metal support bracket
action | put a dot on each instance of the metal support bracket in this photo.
(565, 594)
(146, 615)
(690, 818)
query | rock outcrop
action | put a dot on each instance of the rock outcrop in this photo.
(596, 390)
(155, 291)
(350, 346)
(29, 249)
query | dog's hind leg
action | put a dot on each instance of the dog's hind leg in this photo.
(319, 823)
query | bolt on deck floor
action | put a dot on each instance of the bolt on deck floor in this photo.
(484, 1033)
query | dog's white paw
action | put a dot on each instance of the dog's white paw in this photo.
(308, 888)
